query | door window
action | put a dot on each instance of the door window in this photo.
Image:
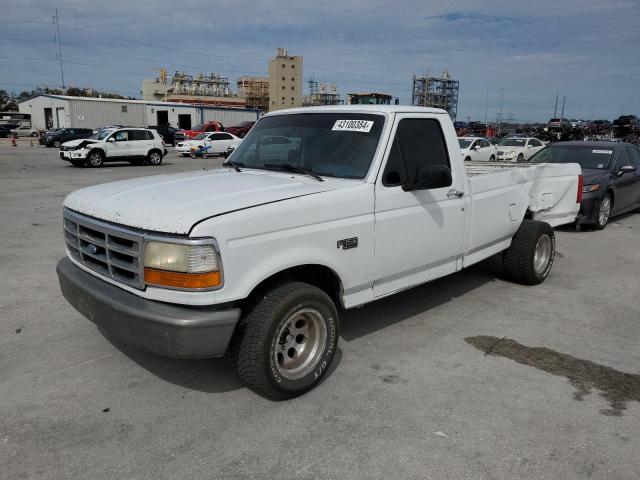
(122, 136)
(484, 143)
(623, 159)
(634, 153)
(225, 136)
(535, 143)
(418, 142)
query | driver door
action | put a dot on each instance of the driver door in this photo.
(418, 233)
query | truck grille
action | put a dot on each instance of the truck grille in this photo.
(111, 251)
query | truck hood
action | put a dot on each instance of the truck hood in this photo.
(174, 203)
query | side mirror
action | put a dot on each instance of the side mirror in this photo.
(111, 139)
(626, 169)
(430, 176)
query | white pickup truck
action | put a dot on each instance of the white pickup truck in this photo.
(318, 210)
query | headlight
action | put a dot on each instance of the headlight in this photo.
(590, 188)
(181, 266)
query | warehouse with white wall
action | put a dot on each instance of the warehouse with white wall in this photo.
(59, 111)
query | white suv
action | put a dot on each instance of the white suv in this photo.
(135, 145)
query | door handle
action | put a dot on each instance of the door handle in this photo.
(453, 193)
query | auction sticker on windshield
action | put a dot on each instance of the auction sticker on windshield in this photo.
(353, 125)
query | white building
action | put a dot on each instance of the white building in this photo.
(52, 111)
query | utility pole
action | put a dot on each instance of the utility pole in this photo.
(486, 106)
(55, 17)
(564, 97)
(555, 109)
(500, 112)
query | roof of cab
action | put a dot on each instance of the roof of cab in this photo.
(361, 109)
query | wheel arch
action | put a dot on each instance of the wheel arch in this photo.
(320, 276)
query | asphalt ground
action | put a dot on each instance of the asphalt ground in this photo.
(469, 377)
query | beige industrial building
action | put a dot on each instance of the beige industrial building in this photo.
(255, 91)
(285, 81)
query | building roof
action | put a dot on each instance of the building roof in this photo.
(141, 102)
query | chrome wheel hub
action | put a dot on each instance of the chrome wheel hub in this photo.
(154, 158)
(299, 343)
(542, 254)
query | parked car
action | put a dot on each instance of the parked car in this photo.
(259, 258)
(216, 143)
(518, 149)
(598, 126)
(241, 129)
(625, 125)
(55, 138)
(135, 145)
(5, 129)
(611, 172)
(167, 133)
(213, 126)
(558, 124)
(25, 131)
(477, 149)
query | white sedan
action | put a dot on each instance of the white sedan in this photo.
(217, 143)
(518, 149)
(25, 132)
(477, 149)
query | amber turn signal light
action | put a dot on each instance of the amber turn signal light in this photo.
(165, 278)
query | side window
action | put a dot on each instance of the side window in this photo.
(485, 143)
(138, 135)
(622, 159)
(634, 153)
(225, 136)
(418, 142)
(536, 143)
(121, 136)
(214, 137)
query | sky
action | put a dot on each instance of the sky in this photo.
(520, 54)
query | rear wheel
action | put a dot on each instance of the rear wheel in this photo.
(285, 343)
(604, 211)
(34, 134)
(529, 258)
(57, 144)
(95, 159)
(154, 158)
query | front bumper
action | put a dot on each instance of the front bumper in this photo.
(163, 328)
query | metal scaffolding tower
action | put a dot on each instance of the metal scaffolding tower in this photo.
(322, 94)
(436, 92)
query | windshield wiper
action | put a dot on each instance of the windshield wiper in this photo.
(287, 167)
(235, 165)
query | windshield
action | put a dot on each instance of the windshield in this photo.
(464, 143)
(513, 142)
(101, 134)
(589, 157)
(200, 126)
(329, 144)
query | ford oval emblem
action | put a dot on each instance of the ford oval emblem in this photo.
(92, 248)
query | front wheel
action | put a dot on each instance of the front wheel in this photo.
(529, 258)
(285, 343)
(34, 134)
(604, 211)
(520, 158)
(57, 144)
(95, 159)
(492, 158)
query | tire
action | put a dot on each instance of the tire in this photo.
(57, 144)
(530, 257)
(78, 163)
(268, 358)
(604, 212)
(95, 159)
(154, 158)
(34, 134)
(520, 158)
(467, 159)
(492, 158)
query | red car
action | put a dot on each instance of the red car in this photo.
(241, 129)
(213, 126)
